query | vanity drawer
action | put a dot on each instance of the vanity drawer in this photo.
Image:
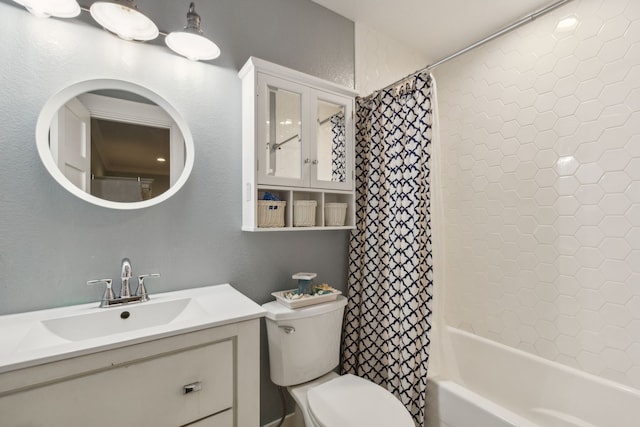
(224, 419)
(147, 392)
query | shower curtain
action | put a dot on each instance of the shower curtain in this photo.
(387, 320)
(338, 147)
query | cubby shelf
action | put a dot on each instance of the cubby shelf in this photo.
(290, 195)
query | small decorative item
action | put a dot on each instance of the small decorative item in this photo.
(305, 282)
(319, 294)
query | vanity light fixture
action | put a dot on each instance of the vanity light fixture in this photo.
(47, 8)
(191, 42)
(123, 18)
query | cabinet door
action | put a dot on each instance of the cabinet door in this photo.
(332, 142)
(281, 143)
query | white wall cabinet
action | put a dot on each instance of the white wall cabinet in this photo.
(298, 144)
(208, 378)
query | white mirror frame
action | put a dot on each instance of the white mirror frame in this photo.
(51, 108)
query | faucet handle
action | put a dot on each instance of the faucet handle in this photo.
(142, 291)
(108, 292)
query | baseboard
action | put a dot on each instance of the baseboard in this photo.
(289, 421)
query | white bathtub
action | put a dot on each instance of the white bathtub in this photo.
(486, 384)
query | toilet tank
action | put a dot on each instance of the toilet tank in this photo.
(304, 343)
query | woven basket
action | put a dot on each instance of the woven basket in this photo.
(271, 213)
(335, 213)
(304, 213)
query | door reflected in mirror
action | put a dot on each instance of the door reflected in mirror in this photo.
(114, 144)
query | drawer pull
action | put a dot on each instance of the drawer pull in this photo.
(190, 388)
(287, 329)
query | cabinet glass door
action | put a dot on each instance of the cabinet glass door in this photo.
(333, 168)
(280, 139)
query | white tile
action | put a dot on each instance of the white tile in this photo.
(616, 359)
(589, 90)
(589, 215)
(546, 348)
(616, 204)
(566, 106)
(614, 94)
(615, 182)
(615, 226)
(566, 66)
(541, 179)
(590, 299)
(634, 306)
(589, 194)
(614, 160)
(615, 248)
(566, 126)
(616, 337)
(591, 362)
(618, 293)
(616, 270)
(590, 236)
(589, 110)
(568, 345)
(615, 314)
(589, 69)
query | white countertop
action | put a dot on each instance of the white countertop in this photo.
(37, 337)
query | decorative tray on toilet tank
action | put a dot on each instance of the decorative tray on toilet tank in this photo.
(291, 299)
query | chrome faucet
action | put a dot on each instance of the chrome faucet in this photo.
(109, 299)
(125, 276)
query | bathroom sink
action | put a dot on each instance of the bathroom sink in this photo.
(33, 338)
(114, 320)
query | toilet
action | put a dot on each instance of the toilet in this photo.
(304, 348)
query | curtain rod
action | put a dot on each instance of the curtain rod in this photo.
(487, 39)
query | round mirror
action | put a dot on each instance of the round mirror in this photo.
(114, 144)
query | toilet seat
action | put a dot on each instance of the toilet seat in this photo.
(352, 401)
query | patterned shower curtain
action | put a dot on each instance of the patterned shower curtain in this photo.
(338, 147)
(387, 320)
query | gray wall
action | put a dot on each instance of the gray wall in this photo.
(51, 243)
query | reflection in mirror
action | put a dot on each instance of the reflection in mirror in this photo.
(129, 162)
(115, 148)
(331, 142)
(114, 144)
(283, 151)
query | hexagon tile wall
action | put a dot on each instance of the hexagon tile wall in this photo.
(540, 133)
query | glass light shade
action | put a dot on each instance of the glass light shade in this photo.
(47, 8)
(192, 45)
(122, 18)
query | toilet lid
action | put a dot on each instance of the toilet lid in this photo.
(353, 401)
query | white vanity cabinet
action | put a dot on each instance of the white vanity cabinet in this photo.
(298, 144)
(207, 378)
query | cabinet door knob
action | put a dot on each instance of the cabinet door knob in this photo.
(315, 162)
(190, 388)
(306, 161)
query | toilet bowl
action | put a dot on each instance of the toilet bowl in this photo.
(304, 346)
